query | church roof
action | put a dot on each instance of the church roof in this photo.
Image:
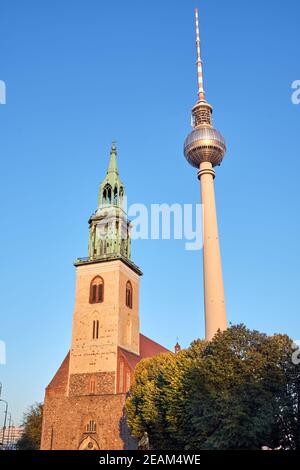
(148, 348)
(59, 383)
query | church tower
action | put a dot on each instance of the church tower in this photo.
(106, 313)
(84, 402)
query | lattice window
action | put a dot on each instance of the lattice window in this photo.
(97, 290)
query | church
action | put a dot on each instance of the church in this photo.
(84, 403)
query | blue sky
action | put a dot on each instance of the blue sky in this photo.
(82, 73)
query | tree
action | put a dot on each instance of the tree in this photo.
(32, 423)
(289, 406)
(238, 391)
(145, 406)
(235, 391)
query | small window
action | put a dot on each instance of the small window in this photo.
(129, 294)
(97, 290)
(91, 426)
(95, 329)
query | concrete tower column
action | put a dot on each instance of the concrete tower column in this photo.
(215, 308)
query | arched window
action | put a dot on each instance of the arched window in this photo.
(97, 290)
(92, 386)
(91, 426)
(116, 196)
(107, 194)
(129, 294)
(121, 196)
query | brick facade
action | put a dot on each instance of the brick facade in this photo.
(68, 408)
(84, 402)
(66, 420)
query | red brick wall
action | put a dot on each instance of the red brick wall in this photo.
(79, 384)
(65, 418)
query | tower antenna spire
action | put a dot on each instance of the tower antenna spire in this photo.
(201, 93)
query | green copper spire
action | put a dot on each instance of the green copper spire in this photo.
(109, 226)
(113, 167)
(111, 190)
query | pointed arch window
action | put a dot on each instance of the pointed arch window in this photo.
(116, 196)
(129, 294)
(92, 386)
(121, 196)
(107, 194)
(97, 290)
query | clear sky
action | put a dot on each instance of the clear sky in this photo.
(82, 73)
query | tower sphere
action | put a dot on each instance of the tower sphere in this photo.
(204, 144)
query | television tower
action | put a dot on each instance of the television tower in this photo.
(204, 148)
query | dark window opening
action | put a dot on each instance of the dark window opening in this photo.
(129, 294)
(97, 290)
(95, 329)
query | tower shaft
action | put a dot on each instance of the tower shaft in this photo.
(214, 298)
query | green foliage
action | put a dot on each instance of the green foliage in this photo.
(146, 405)
(239, 391)
(32, 422)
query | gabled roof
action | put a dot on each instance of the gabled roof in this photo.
(59, 383)
(148, 348)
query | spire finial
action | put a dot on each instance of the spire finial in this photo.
(113, 146)
(201, 93)
(113, 167)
